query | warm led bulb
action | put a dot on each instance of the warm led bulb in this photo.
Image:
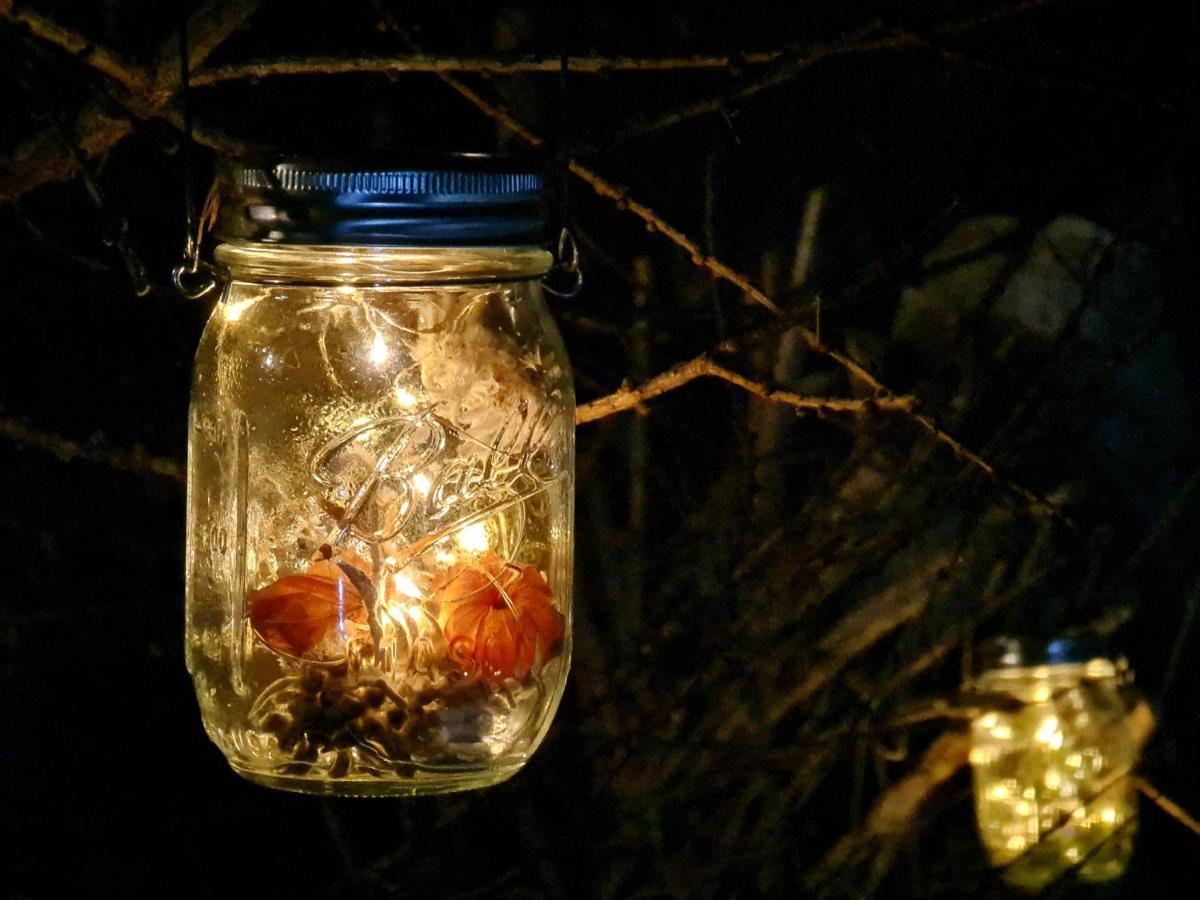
(379, 350)
(405, 586)
(473, 538)
(405, 397)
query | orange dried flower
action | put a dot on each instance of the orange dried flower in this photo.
(317, 615)
(502, 618)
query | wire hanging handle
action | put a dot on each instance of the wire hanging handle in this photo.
(566, 268)
(194, 278)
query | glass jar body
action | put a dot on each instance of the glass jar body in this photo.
(1050, 765)
(380, 510)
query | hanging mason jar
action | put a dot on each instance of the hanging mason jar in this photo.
(1051, 756)
(380, 496)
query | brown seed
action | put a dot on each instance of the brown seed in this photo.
(302, 707)
(373, 727)
(305, 752)
(312, 680)
(333, 690)
(396, 717)
(340, 766)
(372, 696)
(348, 708)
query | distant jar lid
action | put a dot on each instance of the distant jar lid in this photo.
(1008, 652)
(441, 201)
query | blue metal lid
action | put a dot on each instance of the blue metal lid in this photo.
(445, 201)
(1010, 652)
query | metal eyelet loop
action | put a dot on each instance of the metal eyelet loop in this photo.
(568, 265)
(194, 279)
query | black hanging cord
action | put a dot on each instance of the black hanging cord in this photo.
(185, 96)
(116, 228)
(564, 144)
(193, 278)
(567, 251)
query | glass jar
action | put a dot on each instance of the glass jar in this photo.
(1051, 758)
(380, 480)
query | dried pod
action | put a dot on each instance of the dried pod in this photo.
(502, 618)
(318, 615)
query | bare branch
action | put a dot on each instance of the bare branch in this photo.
(494, 65)
(857, 43)
(207, 29)
(896, 809)
(104, 60)
(703, 366)
(43, 158)
(65, 450)
(720, 270)
(869, 40)
(1167, 805)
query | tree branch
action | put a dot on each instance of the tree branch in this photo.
(43, 158)
(1167, 805)
(895, 811)
(868, 40)
(720, 270)
(865, 41)
(65, 450)
(703, 366)
(95, 56)
(494, 65)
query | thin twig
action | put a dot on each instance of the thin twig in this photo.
(860, 42)
(65, 450)
(43, 158)
(1177, 646)
(898, 807)
(493, 65)
(97, 128)
(1167, 805)
(95, 56)
(626, 397)
(863, 41)
(40, 234)
(1175, 507)
(720, 270)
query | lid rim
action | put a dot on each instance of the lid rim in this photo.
(450, 200)
(1009, 652)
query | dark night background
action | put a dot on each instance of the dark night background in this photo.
(1007, 229)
